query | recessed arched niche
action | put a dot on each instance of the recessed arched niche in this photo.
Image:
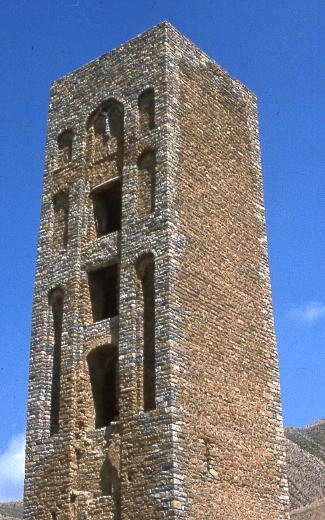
(56, 302)
(61, 220)
(146, 105)
(145, 269)
(146, 192)
(65, 144)
(105, 133)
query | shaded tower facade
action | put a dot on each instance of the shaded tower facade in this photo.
(154, 390)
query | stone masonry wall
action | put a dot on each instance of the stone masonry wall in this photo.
(185, 154)
(230, 438)
(124, 469)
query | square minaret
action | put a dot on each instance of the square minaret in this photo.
(154, 388)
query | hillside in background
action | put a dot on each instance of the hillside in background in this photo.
(11, 510)
(306, 471)
(306, 475)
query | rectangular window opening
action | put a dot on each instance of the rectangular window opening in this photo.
(107, 203)
(103, 371)
(104, 289)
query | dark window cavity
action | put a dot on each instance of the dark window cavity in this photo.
(103, 371)
(107, 203)
(103, 285)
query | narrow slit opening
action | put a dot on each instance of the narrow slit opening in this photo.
(61, 216)
(146, 273)
(146, 103)
(56, 299)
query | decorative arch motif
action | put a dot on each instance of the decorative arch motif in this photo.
(105, 133)
(146, 182)
(145, 268)
(56, 303)
(108, 120)
(61, 220)
(65, 144)
(146, 104)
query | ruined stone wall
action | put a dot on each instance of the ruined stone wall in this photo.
(152, 195)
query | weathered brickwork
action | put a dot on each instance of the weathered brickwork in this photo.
(154, 387)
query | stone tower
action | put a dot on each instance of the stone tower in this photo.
(154, 390)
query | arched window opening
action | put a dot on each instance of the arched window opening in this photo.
(107, 203)
(146, 103)
(108, 120)
(61, 214)
(65, 141)
(147, 182)
(100, 124)
(103, 372)
(115, 119)
(104, 287)
(145, 268)
(56, 301)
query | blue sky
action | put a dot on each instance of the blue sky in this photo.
(276, 48)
